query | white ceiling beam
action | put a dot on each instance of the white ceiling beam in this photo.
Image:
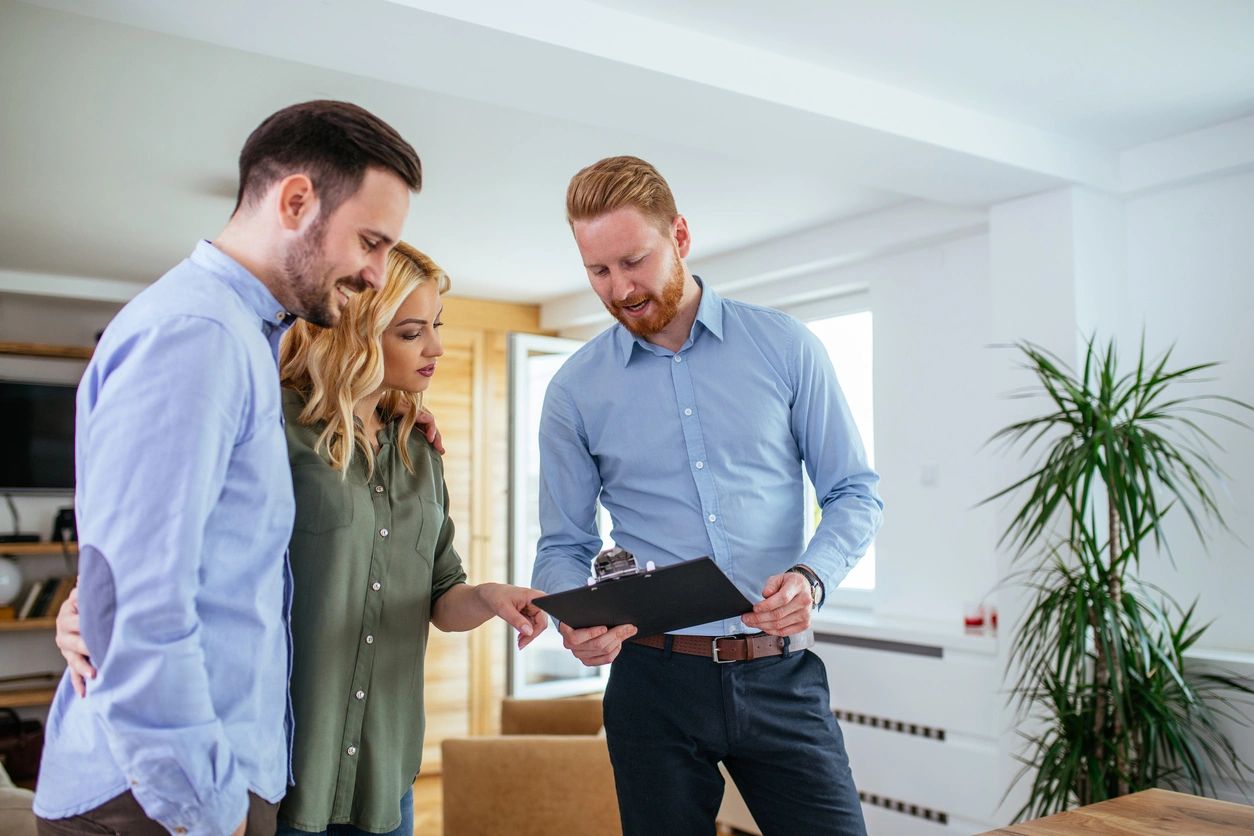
(794, 268)
(68, 287)
(578, 60)
(1219, 149)
(759, 74)
(873, 235)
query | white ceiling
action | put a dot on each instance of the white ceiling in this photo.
(122, 118)
(1114, 72)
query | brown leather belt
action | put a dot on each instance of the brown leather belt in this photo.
(724, 649)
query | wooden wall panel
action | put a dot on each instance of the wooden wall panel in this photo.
(465, 672)
(447, 669)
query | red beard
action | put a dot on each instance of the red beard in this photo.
(664, 309)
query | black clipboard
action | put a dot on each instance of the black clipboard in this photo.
(671, 598)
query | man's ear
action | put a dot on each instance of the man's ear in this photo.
(297, 201)
(681, 235)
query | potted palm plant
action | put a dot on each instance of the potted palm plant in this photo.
(1108, 703)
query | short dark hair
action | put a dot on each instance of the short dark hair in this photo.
(332, 142)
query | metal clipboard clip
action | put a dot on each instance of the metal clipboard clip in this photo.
(616, 563)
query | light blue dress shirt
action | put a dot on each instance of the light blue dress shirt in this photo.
(184, 503)
(700, 452)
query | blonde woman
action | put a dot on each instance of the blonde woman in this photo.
(372, 555)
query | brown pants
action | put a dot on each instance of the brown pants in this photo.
(123, 816)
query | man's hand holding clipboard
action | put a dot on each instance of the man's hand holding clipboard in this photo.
(625, 600)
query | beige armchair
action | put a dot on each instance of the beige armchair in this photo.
(549, 772)
(16, 818)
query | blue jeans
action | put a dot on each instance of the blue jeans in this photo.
(406, 828)
(670, 719)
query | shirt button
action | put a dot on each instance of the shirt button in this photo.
(281, 315)
(361, 695)
(383, 532)
(700, 465)
(369, 639)
(180, 830)
(712, 518)
(687, 411)
(376, 586)
(678, 359)
(352, 750)
(378, 489)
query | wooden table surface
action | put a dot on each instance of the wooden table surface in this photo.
(1145, 813)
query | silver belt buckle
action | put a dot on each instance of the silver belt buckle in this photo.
(714, 650)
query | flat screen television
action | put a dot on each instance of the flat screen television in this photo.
(36, 437)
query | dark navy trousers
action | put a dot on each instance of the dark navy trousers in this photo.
(670, 718)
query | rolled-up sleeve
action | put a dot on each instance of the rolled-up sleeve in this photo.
(447, 570)
(161, 419)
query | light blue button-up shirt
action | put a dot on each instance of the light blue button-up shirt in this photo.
(184, 502)
(700, 452)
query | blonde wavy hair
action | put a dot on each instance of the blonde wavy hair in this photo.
(334, 368)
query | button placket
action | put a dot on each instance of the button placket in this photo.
(381, 505)
(694, 443)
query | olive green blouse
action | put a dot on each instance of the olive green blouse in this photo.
(369, 559)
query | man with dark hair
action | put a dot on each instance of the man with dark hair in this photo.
(333, 142)
(184, 496)
(690, 421)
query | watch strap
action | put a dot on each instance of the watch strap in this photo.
(817, 590)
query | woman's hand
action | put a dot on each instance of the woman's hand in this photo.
(512, 604)
(70, 641)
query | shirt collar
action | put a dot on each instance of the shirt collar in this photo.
(255, 295)
(709, 317)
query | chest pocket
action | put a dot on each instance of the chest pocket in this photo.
(417, 520)
(432, 522)
(323, 501)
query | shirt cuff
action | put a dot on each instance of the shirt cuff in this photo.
(217, 815)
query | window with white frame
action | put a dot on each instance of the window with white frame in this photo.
(845, 330)
(547, 669)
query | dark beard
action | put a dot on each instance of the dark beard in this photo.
(303, 268)
(667, 306)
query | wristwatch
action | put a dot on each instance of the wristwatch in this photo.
(816, 585)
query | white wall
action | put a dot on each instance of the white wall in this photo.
(1177, 263)
(1053, 267)
(1191, 282)
(932, 358)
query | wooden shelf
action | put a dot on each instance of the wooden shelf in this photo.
(27, 697)
(18, 625)
(61, 352)
(23, 549)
